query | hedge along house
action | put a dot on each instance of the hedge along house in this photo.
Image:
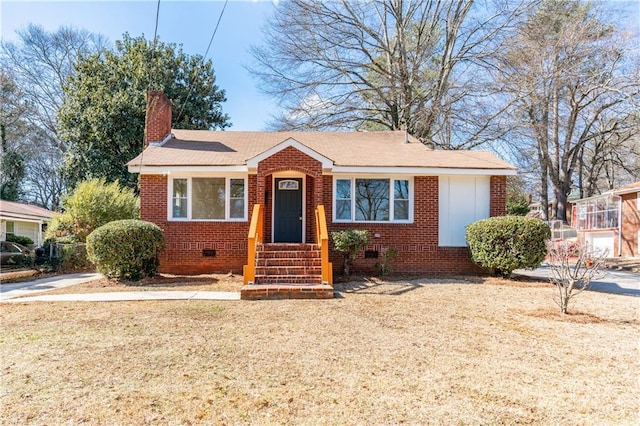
(265, 203)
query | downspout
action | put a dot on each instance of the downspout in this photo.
(619, 226)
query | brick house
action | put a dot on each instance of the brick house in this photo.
(23, 220)
(209, 189)
(610, 221)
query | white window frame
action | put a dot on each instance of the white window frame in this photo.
(13, 228)
(391, 179)
(227, 198)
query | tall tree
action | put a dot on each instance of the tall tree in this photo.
(417, 65)
(13, 112)
(102, 116)
(566, 75)
(40, 63)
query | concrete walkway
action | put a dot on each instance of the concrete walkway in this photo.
(27, 292)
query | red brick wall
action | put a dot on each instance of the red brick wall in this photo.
(290, 159)
(185, 241)
(630, 225)
(498, 206)
(417, 242)
(158, 119)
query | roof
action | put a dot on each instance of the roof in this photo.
(625, 189)
(343, 149)
(13, 210)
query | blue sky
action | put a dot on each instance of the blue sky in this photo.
(189, 23)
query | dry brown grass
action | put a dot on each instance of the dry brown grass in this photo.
(207, 282)
(412, 351)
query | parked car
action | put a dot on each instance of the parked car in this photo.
(14, 254)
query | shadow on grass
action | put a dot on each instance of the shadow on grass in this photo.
(392, 285)
(174, 281)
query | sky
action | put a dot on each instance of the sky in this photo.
(189, 23)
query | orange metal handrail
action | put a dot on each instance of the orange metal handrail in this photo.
(322, 239)
(254, 238)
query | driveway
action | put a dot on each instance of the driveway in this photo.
(614, 282)
(26, 288)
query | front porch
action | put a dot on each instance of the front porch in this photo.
(287, 270)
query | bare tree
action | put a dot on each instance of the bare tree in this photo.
(419, 65)
(573, 267)
(13, 112)
(41, 62)
(610, 158)
(567, 73)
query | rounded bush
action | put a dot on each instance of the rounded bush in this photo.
(506, 243)
(25, 241)
(126, 249)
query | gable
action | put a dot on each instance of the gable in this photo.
(326, 163)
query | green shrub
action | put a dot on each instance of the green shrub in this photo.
(506, 243)
(349, 242)
(126, 249)
(386, 264)
(517, 204)
(92, 204)
(25, 241)
(73, 258)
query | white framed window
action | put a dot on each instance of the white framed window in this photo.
(10, 228)
(208, 198)
(373, 199)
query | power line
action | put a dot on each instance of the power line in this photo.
(153, 76)
(215, 30)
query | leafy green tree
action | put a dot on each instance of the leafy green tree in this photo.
(102, 117)
(517, 199)
(92, 204)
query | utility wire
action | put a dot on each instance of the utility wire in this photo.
(153, 76)
(215, 30)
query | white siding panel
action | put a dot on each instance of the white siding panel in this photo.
(27, 229)
(463, 200)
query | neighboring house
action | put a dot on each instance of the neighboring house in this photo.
(201, 188)
(611, 221)
(23, 220)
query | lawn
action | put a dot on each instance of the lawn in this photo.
(416, 352)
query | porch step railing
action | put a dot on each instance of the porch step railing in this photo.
(322, 239)
(254, 238)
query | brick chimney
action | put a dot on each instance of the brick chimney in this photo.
(158, 119)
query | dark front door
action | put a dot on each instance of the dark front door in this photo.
(287, 211)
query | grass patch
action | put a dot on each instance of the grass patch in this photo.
(406, 351)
